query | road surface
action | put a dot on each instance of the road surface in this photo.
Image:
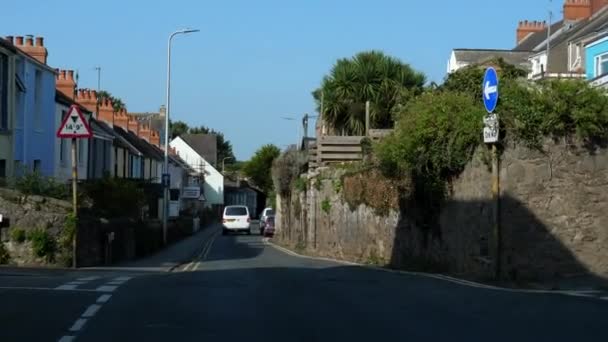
(242, 289)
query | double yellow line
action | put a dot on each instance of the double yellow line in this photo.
(196, 262)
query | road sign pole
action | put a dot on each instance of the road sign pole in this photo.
(491, 134)
(496, 211)
(74, 201)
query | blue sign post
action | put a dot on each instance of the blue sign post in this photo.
(490, 89)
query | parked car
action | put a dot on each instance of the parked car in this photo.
(236, 219)
(269, 227)
(265, 213)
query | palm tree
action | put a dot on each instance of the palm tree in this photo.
(368, 76)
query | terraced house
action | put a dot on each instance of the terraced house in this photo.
(8, 87)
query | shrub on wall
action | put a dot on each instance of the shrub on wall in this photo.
(43, 244)
(18, 235)
(33, 183)
(5, 257)
(286, 169)
(115, 197)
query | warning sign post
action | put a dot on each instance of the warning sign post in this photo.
(74, 126)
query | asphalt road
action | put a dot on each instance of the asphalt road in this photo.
(246, 290)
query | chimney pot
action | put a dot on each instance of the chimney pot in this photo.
(62, 75)
(29, 41)
(40, 41)
(10, 39)
(19, 41)
(71, 75)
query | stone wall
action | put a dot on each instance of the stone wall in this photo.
(553, 218)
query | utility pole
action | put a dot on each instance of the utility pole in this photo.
(549, 32)
(75, 193)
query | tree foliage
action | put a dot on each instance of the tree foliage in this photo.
(368, 76)
(258, 169)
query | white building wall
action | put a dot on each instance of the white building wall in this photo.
(214, 180)
(63, 166)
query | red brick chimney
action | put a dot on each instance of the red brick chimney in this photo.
(88, 99)
(144, 132)
(526, 28)
(155, 138)
(37, 51)
(121, 119)
(577, 9)
(133, 124)
(597, 5)
(65, 82)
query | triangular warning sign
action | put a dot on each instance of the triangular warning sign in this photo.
(74, 125)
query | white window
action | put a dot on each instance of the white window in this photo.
(601, 65)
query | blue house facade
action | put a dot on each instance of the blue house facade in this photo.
(596, 61)
(34, 125)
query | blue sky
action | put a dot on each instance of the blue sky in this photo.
(253, 61)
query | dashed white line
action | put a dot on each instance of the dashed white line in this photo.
(88, 278)
(123, 279)
(604, 298)
(66, 339)
(66, 287)
(78, 324)
(104, 298)
(115, 283)
(91, 310)
(106, 288)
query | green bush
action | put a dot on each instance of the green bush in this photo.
(300, 184)
(43, 244)
(5, 257)
(338, 184)
(65, 240)
(115, 197)
(326, 206)
(18, 235)
(33, 183)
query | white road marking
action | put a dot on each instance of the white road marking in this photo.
(88, 278)
(77, 283)
(604, 298)
(91, 310)
(78, 324)
(106, 288)
(104, 298)
(66, 287)
(123, 279)
(66, 339)
(115, 283)
(43, 289)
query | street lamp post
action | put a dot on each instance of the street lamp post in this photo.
(224, 163)
(166, 162)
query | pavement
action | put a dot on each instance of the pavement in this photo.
(239, 287)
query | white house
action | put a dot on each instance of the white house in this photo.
(193, 148)
(63, 150)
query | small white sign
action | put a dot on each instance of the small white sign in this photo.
(0, 217)
(491, 129)
(191, 192)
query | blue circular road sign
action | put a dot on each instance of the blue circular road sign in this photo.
(490, 89)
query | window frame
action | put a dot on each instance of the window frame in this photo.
(598, 64)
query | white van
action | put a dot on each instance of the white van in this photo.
(236, 219)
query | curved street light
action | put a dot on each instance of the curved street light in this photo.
(168, 109)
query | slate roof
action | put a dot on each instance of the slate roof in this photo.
(119, 141)
(533, 40)
(204, 144)
(478, 56)
(140, 144)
